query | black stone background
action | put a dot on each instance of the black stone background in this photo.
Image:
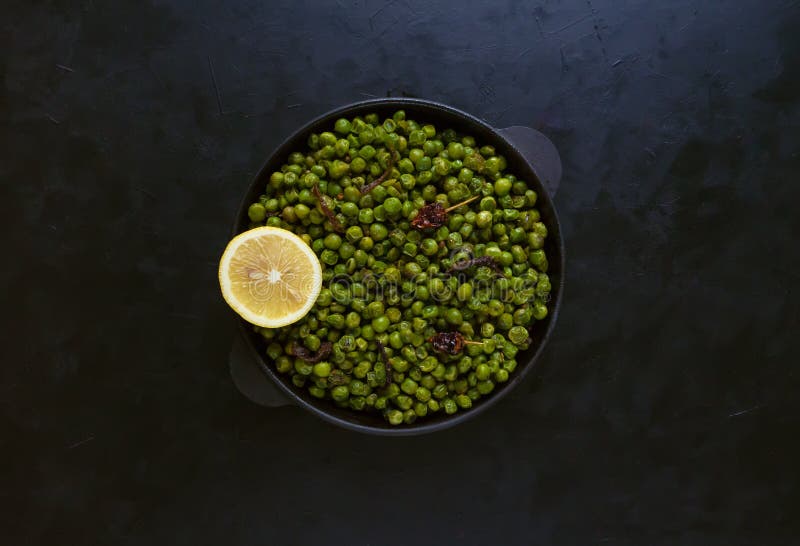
(666, 407)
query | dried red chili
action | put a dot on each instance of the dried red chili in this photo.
(326, 210)
(483, 260)
(434, 215)
(366, 188)
(325, 349)
(450, 342)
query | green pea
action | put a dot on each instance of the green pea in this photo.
(346, 250)
(392, 206)
(341, 147)
(537, 257)
(340, 393)
(352, 320)
(350, 210)
(430, 147)
(483, 219)
(380, 324)
(329, 257)
(379, 213)
(357, 165)
(425, 177)
(438, 373)
(453, 316)
(312, 342)
(367, 152)
(366, 136)
(495, 308)
(420, 409)
(322, 369)
(272, 205)
(301, 211)
(327, 138)
(342, 126)
(464, 292)
(522, 317)
(423, 164)
(488, 204)
(377, 232)
(302, 367)
(441, 166)
(482, 372)
(335, 320)
(518, 254)
(428, 131)
(465, 175)
(535, 241)
(455, 150)
(354, 233)
(393, 314)
(358, 388)
(530, 198)
(502, 186)
(518, 335)
(405, 165)
(543, 286)
(337, 170)
(429, 247)
(485, 387)
(389, 125)
(464, 401)
(412, 269)
(395, 417)
(492, 166)
(276, 180)
(257, 212)
(417, 138)
(505, 321)
(333, 241)
(409, 386)
(408, 182)
(365, 216)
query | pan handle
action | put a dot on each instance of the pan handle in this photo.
(540, 152)
(250, 380)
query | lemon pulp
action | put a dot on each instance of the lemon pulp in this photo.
(270, 276)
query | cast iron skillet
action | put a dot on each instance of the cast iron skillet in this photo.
(530, 156)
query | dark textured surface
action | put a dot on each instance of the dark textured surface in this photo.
(666, 411)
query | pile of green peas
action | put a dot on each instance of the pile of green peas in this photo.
(386, 287)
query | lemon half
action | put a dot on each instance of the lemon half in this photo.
(270, 276)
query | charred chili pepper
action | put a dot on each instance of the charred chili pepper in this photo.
(483, 260)
(325, 349)
(433, 215)
(450, 342)
(326, 210)
(366, 188)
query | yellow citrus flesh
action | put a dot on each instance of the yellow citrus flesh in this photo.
(270, 276)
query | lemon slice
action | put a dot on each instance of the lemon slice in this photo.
(270, 276)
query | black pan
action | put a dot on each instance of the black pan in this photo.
(530, 156)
